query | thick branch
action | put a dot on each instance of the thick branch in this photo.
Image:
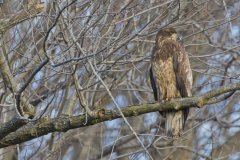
(64, 123)
(11, 126)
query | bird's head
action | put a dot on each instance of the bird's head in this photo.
(166, 33)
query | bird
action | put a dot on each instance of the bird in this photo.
(171, 77)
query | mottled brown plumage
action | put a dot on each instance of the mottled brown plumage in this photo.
(171, 77)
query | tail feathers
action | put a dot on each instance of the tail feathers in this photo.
(174, 124)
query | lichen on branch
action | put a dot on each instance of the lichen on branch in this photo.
(63, 123)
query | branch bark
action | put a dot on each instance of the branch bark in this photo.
(64, 123)
(11, 126)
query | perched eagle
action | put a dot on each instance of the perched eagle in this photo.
(171, 77)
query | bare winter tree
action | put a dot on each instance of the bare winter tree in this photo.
(75, 79)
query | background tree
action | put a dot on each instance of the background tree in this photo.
(74, 63)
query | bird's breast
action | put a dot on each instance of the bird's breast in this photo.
(166, 78)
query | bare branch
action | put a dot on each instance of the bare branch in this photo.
(64, 123)
(9, 22)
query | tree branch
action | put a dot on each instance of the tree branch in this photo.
(6, 23)
(64, 123)
(11, 126)
(11, 21)
(27, 111)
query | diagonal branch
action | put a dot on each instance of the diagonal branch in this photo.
(11, 21)
(28, 110)
(64, 123)
(11, 126)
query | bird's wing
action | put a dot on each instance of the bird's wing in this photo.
(182, 71)
(183, 74)
(153, 84)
